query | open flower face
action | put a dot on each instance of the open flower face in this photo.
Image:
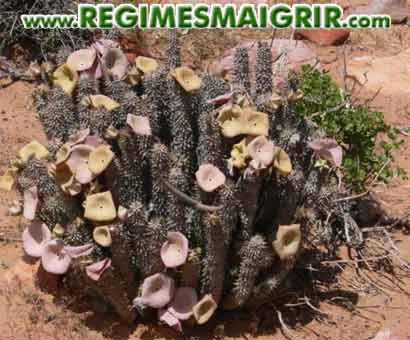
(78, 163)
(35, 149)
(100, 101)
(209, 177)
(288, 239)
(187, 78)
(102, 236)
(282, 162)
(30, 203)
(262, 151)
(66, 78)
(81, 60)
(204, 309)
(100, 207)
(140, 125)
(157, 290)
(254, 123)
(63, 153)
(146, 65)
(328, 149)
(174, 251)
(229, 120)
(35, 237)
(239, 154)
(236, 121)
(115, 62)
(184, 300)
(66, 180)
(100, 159)
(54, 259)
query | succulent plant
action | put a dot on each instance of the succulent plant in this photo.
(188, 176)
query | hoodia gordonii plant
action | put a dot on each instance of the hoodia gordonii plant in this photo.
(165, 190)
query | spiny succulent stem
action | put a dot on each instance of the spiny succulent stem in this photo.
(189, 200)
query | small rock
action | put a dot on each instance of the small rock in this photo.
(324, 37)
(399, 10)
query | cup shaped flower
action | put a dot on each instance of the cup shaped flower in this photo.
(66, 78)
(146, 65)
(102, 236)
(165, 316)
(288, 240)
(95, 270)
(236, 121)
(187, 78)
(115, 62)
(174, 251)
(81, 60)
(204, 309)
(33, 148)
(56, 257)
(100, 207)
(229, 119)
(35, 237)
(282, 162)
(66, 180)
(78, 163)
(54, 260)
(328, 149)
(72, 187)
(63, 153)
(100, 101)
(254, 123)
(184, 300)
(140, 125)
(99, 159)
(30, 203)
(209, 177)
(239, 154)
(262, 151)
(157, 290)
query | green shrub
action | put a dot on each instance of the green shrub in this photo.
(357, 128)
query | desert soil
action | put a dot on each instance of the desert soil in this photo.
(27, 311)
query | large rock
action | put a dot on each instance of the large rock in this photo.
(324, 37)
(298, 54)
(391, 74)
(399, 10)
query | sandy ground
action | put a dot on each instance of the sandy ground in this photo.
(347, 310)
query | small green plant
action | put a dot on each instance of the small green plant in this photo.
(368, 141)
